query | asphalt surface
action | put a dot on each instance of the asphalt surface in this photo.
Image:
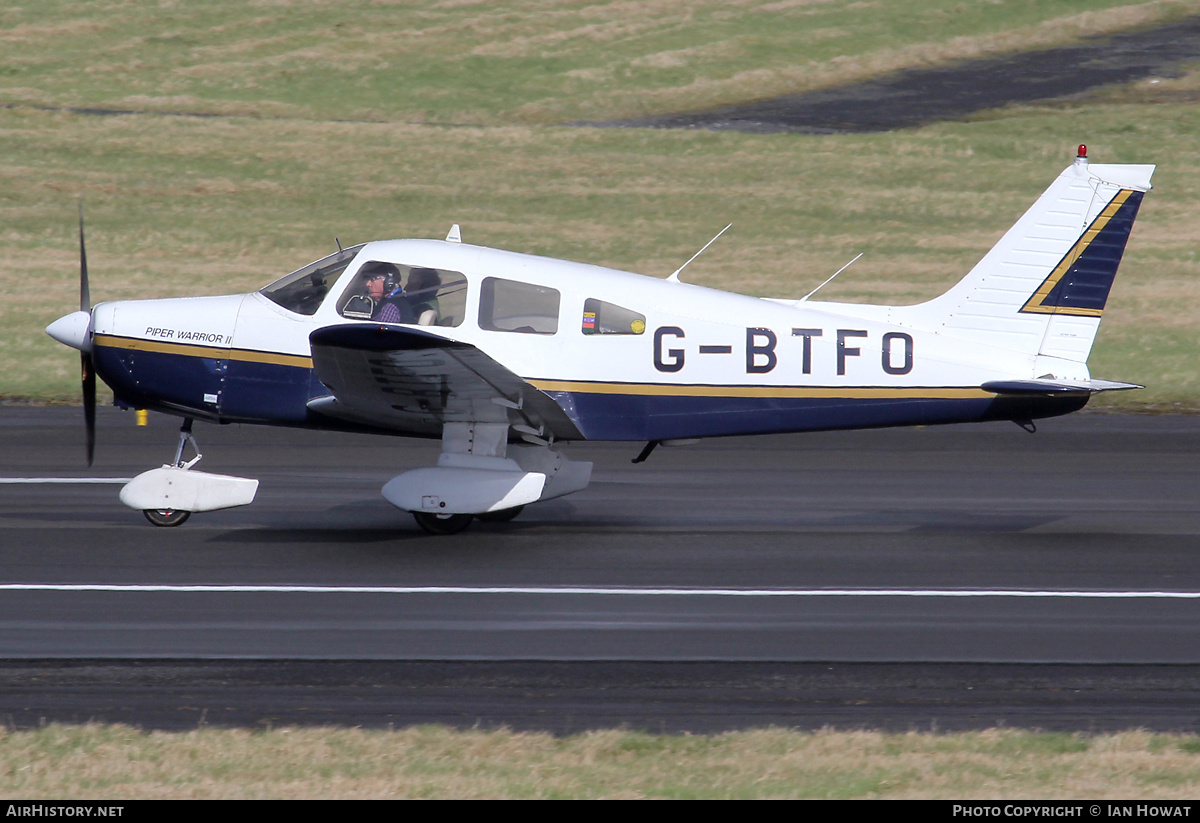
(915, 97)
(950, 577)
(569, 698)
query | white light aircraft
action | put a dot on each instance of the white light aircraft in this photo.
(506, 357)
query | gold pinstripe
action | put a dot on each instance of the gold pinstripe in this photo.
(856, 392)
(215, 352)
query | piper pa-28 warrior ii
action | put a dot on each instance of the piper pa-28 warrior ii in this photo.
(506, 357)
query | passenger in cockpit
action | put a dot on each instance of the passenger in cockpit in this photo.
(421, 296)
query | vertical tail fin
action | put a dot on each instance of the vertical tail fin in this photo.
(1042, 289)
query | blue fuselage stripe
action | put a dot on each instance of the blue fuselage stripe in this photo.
(272, 393)
(648, 417)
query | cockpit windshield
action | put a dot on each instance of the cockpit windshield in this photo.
(304, 290)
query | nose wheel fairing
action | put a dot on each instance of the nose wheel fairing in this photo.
(175, 488)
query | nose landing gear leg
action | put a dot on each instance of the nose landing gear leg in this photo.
(175, 517)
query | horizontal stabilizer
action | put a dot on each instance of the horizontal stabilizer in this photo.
(1043, 385)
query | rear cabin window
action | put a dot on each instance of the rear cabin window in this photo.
(608, 318)
(416, 295)
(509, 305)
(303, 291)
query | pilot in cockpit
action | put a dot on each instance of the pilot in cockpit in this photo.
(382, 296)
(383, 287)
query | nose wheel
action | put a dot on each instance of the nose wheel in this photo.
(166, 517)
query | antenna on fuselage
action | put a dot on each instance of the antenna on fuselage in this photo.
(339, 244)
(675, 274)
(835, 274)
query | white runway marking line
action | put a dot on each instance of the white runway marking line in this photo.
(578, 590)
(62, 480)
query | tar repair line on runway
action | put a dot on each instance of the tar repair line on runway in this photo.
(63, 480)
(584, 590)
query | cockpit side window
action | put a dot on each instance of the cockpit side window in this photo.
(391, 293)
(608, 318)
(304, 290)
(510, 305)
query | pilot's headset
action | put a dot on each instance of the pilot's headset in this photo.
(389, 273)
(391, 278)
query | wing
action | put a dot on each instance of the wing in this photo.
(413, 382)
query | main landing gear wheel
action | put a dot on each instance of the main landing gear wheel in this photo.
(166, 517)
(502, 516)
(442, 523)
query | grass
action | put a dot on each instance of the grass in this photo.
(97, 762)
(458, 61)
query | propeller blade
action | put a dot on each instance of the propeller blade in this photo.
(85, 295)
(89, 403)
(87, 373)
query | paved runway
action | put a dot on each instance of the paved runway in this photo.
(985, 544)
(958, 546)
